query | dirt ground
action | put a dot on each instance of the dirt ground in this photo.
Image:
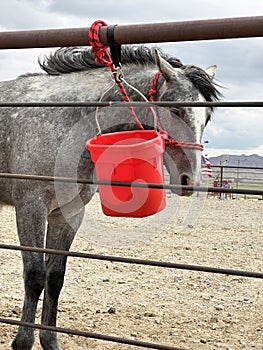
(186, 309)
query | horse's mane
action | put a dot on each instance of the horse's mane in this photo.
(74, 59)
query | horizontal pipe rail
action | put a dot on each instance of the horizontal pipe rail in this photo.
(89, 335)
(237, 167)
(209, 29)
(225, 104)
(129, 184)
(120, 259)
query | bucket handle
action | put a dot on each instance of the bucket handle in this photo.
(138, 92)
(97, 108)
(155, 117)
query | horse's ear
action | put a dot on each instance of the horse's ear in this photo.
(211, 71)
(164, 67)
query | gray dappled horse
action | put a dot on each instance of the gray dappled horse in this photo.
(51, 141)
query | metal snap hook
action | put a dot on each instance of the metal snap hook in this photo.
(117, 74)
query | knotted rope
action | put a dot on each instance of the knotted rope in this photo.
(102, 55)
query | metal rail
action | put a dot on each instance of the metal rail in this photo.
(89, 335)
(210, 29)
(230, 272)
(129, 184)
(217, 104)
(237, 167)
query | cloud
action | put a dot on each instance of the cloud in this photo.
(19, 15)
(16, 62)
(137, 11)
(238, 129)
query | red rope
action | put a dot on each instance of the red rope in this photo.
(102, 55)
(153, 89)
(170, 141)
(99, 50)
(191, 145)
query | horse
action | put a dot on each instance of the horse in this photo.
(51, 141)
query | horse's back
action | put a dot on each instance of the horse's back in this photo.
(26, 134)
(36, 140)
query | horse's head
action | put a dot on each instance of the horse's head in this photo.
(185, 124)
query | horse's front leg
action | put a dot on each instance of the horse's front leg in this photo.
(60, 234)
(31, 220)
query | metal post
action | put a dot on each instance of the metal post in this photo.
(221, 175)
(221, 28)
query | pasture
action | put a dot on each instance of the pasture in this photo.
(191, 310)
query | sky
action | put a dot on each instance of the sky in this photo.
(240, 73)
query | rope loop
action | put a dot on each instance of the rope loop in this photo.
(102, 55)
(99, 50)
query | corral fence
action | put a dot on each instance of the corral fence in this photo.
(227, 28)
(237, 177)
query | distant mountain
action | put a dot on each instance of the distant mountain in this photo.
(253, 160)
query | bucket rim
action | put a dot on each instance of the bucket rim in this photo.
(161, 136)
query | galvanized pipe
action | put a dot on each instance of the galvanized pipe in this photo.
(210, 29)
(129, 184)
(91, 335)
(126, 260)
(223, 104)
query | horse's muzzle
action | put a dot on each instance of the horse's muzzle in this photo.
(184, 180)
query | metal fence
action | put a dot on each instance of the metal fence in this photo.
(141, 33)
(237, 177)
(222, 28)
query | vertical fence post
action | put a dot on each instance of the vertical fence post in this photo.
(221, 175)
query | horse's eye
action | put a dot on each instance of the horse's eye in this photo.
(175, 112)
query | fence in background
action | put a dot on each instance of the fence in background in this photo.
(237, 177)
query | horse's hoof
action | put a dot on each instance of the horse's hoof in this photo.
(48, 340)
(21, 345)
(13, 345)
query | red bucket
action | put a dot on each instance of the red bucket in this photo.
(129, 156)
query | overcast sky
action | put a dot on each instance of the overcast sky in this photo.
(232, 131)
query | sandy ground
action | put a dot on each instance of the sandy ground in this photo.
(186, 309)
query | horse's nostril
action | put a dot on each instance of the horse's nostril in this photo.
(185, 180)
